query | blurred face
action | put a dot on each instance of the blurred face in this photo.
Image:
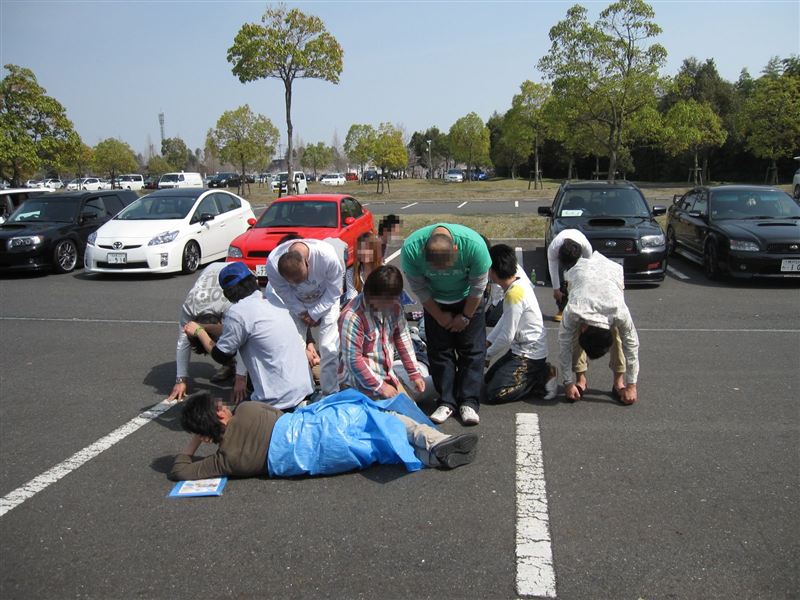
(394, 231)
(493, 277)
(444, 260)
(365, 252)
(382, 304)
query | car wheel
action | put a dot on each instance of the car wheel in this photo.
(671, 242)
(711, 261)
(65, 256)
(191, 258)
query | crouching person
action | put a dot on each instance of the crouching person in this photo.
(343, 432)
(264, 334)
(372, 328)
(519, 338)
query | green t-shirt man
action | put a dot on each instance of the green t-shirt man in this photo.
(466, 277)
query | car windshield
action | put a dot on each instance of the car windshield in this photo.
(752, 204)
(603, 203)
(170, 177)
(300, 214)
(454, 172)
(152, 208)
(39, 210)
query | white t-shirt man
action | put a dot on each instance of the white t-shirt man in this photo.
(555, 246)
(521, 327)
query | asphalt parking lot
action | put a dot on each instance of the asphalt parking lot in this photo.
(690, 493)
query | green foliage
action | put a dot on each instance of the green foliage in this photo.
(157, 165)
(79, 161)
(113, 157)
(317, 156)
(35, 132)
(770, 118)
(604, 73)
(389, 151)
(286, 45)
(469, 140)
(243, 138)
(358, 145)
(176, 153)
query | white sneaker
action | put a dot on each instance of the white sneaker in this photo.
(551, 387)
(441, 414)
(469, 416)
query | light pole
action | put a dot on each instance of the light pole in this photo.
(430, 164)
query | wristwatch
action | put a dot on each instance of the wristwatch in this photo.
(181, 379)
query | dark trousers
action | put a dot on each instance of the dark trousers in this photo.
(513, 377)
(563, 303)
(457, 359)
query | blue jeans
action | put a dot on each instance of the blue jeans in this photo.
(457, 359)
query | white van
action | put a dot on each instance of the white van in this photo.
(130, 181)
(180, 180)
(281, 178)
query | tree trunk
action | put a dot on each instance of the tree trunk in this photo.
(596, 167)
(537, 178)
(287, 84)
(774, 170)
(705, 175)
(695, 166)
(570, 167)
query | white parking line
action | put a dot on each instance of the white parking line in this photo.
(409, 205)
(37, 484)
(392, 256)
(535, 573)
(365, 204)
(677, 273)
(462, 204)
(516, 203)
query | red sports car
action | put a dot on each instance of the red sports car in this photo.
(316, 216)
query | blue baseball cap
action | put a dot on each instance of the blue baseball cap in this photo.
(232, 274)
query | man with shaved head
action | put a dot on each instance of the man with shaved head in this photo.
(447, 267)
(307, 275)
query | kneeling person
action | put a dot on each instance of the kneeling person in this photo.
(519, 336)
(260, 440)
(265, 336)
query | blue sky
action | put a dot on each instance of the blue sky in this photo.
(115, 65)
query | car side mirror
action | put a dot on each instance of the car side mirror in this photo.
(349, 221)
(251, 222)
(696, 214)
(88, 216)
(206, 217)
(659, 210)
(676, 198)
(545, 211)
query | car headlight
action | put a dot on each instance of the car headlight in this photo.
(92, 238)
(164, 237)
(744, 246)
(25, 241)
(234, 252)
(652, 241)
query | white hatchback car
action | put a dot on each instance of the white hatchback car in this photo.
(333, 179)
(91, 183)
(455, 175)
(168, 231)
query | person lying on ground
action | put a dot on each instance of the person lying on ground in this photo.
(343, 432)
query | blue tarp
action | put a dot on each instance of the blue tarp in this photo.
(343, 432)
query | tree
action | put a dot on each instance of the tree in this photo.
(286, 45)
(79, 161)
(175, 152)
(770, 119)
(606, 71)
(34, 129)
(529, 118)
(691, 126)
(114, 156)
(244, 138)
(469, 141)
(358, 144)
(389, 153)
(316, 156)
(157, 165)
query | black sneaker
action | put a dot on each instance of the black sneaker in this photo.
(456, 450)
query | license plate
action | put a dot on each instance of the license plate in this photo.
(261, 270)
(117, 258)
(791, 265)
